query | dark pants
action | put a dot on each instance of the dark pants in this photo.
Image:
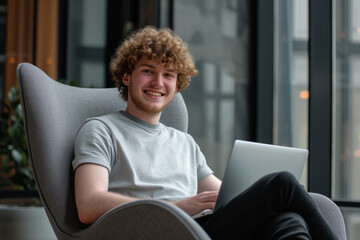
(275, 207)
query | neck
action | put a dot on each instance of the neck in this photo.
(152, 118)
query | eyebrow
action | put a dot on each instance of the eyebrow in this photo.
(152, 66)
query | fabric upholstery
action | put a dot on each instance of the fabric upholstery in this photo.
(53, 113)
(332, 214)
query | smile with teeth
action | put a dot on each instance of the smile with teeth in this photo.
(157, 94)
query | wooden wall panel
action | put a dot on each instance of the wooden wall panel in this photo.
(19, 38)
(47, 36)
(27, 42)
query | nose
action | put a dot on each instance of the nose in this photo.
(157, 80)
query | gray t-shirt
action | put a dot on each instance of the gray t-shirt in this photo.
(144, 160)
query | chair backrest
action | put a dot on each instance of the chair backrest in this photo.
(53, 113)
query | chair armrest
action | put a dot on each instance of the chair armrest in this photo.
(153, 219)
(332, 214)
(144, 219)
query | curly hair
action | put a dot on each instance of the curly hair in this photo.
(162, 46)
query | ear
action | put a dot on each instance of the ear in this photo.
(126, 79)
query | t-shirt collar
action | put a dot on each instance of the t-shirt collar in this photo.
(139, 121)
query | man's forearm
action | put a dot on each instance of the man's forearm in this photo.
(93, 206)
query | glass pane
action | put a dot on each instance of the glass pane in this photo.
(291, 75)
(352, 222)
(346, 118)
(217, 99)
(86, 44)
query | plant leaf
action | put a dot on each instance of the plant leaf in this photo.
(19, 111)
(27, 172)
(16, 155)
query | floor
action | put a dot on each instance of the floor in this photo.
(24, 223)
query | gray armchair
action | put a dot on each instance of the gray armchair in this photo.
(53, 113)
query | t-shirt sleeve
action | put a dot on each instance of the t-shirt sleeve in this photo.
(203, 169)
(94, 145)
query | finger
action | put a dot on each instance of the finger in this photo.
(208, 193)
(207, 197)
(207, 205)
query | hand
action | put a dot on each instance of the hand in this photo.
(198, 203)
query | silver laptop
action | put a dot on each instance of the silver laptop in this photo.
(250, 161)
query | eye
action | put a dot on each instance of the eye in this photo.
(148, 71)
(170, 75)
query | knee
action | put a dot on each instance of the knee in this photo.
(280, 180)
(284, 177)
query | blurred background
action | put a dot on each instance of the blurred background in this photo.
(263, 78)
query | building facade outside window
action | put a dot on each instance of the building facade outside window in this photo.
(86, 43)
(217, 33)
(291, 94)
(291, 78)
(346, 111)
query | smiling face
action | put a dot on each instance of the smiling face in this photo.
(163, 45)
(151, 87)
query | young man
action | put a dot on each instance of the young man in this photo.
(125, 156)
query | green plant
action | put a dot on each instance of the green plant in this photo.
(15, 170)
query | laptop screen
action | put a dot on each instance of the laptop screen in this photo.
(249, 161)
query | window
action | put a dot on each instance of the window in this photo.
(346, 101)
(218, 98)
(86, 43)
(346, 112)
(291, 75)
(328, 116)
